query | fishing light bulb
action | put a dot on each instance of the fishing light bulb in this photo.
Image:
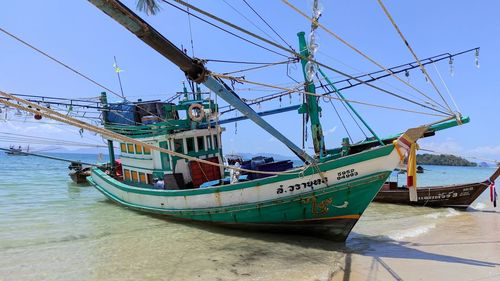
(317, 9)
(311, 69)
(452, 68)
(476, 58)
(313, 43)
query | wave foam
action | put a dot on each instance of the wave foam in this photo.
(411, 232)
(479, 206)
(450, 212)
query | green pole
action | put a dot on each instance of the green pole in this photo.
(311, 106)
(111, 151)
(349, 105)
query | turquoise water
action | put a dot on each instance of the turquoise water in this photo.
(53, 229)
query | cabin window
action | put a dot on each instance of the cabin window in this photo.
(142, 177)
(138, 149)
(147, 150)
(126, 174)
(216, 142)
(123, 147)
(190, 144)
(179, 145)
(135, 176)
(209, 142)
(201, 143)
(130, 148)
(150, 178)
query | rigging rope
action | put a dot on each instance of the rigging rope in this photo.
(338, 115)
(49, 113)
(359, 52)
(257, 67)
(412, 52)
(320, 95)
(250, 21)
(289, 51)
(70, 68)
(275, 32)
(225, 30)
(446, 87)
(348, 111)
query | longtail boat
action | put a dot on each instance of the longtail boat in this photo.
(456, 196)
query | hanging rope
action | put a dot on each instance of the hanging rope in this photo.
(361, 53)
(413, 53)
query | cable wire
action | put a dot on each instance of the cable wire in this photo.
(412, 52)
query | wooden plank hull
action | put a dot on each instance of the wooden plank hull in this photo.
(456, 196)
(307, 203)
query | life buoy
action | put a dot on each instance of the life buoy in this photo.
(196, 112)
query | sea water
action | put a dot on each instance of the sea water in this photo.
(53, 229)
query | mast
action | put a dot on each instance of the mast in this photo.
(311, 106)
(193, 68)
(111, 150)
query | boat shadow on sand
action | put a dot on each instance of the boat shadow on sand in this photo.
(370, 246)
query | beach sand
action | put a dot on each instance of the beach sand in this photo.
(464, 247)
(456, 246)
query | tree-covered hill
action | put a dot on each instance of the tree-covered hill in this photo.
(443, 159)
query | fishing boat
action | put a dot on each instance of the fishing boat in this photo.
(78, 173)
(455, 196)
(173, 166)
(172, 153)
(12, 151)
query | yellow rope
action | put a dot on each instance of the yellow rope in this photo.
(321, 96)
(359, 52)
(49, 113)
(412, 52)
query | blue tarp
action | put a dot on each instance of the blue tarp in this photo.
(121, 114)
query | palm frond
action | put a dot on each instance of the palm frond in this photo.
(150, 7)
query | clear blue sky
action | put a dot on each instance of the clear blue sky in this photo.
(82, 36)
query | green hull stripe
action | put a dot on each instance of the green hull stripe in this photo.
(329, 165)
(347, 199)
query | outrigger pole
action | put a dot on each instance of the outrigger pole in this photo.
(53, 158)
(192, 67)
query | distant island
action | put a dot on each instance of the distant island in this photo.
(443, 159)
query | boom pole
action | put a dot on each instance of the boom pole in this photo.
(193, 68)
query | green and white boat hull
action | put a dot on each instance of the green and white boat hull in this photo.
(326, 205)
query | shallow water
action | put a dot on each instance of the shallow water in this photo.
(53, 229)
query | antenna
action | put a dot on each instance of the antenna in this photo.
(118, 70)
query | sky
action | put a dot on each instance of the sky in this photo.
(83, 37)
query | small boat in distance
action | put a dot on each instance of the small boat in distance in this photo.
(455, 196)
(17, 151)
